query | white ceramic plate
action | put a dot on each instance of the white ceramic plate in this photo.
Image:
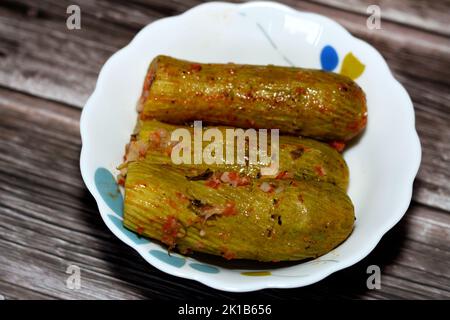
(383, 162)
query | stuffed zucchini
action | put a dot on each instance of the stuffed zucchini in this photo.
(290, 220)
(311, 103)
(299, 158)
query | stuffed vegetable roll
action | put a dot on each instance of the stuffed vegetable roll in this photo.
(290, 220)
(299, 158)
(311, 103)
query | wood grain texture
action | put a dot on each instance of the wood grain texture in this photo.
(48, 220)
(423, 14)
(70, 57)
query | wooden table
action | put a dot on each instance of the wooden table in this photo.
(48, 219)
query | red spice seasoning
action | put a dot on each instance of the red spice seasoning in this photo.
(230, 209)
(338, 145)
(320, 171)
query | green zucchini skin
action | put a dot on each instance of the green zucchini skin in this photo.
(311, 103)
(299, 158)
(305, 219)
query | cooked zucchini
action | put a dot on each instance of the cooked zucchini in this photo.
(290, 220)
(311, 103)
(299, 158)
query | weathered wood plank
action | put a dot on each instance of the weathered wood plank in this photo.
(16, 292)
(50, 221)
(428, 15)
(40, 56)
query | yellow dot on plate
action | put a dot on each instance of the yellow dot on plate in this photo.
(351, 66)
(256, 273)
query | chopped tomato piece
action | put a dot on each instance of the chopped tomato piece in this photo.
(155, 138)
(121, 180)
(181, 196)
(338, 145)
(234, 179)
(196, 67)
(212, 183)
(243, 181)
(284, 175)
(320, 171)
(229, 255)
(230, 209)
(172, 203)
(170, 228)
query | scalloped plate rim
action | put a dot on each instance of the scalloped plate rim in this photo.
(264, 282)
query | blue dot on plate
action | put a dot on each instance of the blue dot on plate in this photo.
(329, 58)
(204, 268)
(131, 235)
(109, 190)
(173, 260)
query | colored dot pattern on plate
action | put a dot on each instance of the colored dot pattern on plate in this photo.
(109, 190)
(204, 268)
(256, 273)
(329, 58)
(164, 256)
(351, 66)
